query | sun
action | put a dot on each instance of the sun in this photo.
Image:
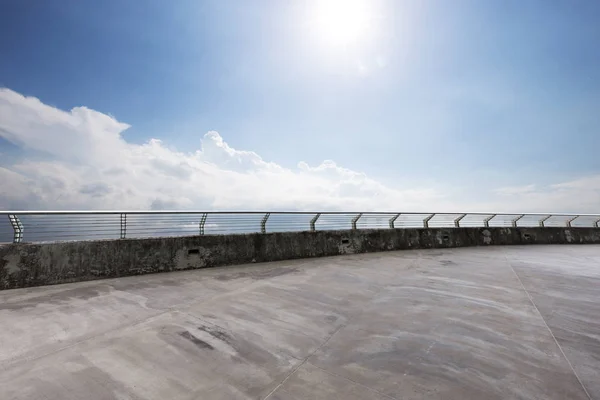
(342, 22)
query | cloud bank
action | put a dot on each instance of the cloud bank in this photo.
(78, 160)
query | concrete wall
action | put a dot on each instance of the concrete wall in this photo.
(23, 265)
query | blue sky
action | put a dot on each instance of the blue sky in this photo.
(465, 94)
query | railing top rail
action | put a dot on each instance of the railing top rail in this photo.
(145, 212)
(87, 224)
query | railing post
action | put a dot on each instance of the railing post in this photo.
(123, 225)
(313, 221)
(355, 220)
(546, 218)
(596, 222)
(514, 221)
(263, 223)
(17, 226)
(426, 221)
(571, 220)
(202, 222)
(457, 220)
(486, 222)
(393, 220)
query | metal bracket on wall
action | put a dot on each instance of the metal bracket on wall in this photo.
(426, 221)
(17, 226)
(457, 220)
(571, 220)
(393, 220)
(202, 222)
(514, 221)
(546, 218)
(355, 220)
(263, 223)
(123, 225)
(486, 222)
(313, 221)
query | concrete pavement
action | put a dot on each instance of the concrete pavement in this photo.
(519, 322)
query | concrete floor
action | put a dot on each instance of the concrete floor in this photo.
(470, 323)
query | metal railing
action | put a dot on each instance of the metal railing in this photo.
(44, 226)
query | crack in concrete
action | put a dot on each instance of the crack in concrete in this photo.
(303, 361)
(547, 326)
(339, 328)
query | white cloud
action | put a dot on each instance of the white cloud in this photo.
(78, 160)
(577, 196)
(515, 190)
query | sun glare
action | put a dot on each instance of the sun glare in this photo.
(342, 22)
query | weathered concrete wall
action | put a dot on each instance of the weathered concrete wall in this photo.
(23, 265)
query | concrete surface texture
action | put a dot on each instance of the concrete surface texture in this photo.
(518, 322)
(25, 265)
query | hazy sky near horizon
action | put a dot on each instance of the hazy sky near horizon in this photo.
(300, 104)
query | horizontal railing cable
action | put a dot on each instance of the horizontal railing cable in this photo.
(45, 226)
